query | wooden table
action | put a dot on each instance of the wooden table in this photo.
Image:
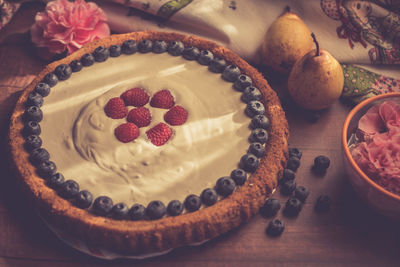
(350, 234)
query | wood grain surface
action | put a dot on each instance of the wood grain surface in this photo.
(350, 234)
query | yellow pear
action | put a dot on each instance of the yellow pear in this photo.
(285, 42)
(316, 80)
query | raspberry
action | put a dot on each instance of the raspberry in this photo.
(139, 116)
(115, 108)
(159, 134)
(177, 115)
(136, 97)
(126, 132)
(162, 99)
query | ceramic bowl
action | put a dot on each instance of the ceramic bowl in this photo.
(377, 197)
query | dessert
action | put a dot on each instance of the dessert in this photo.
(133, 151)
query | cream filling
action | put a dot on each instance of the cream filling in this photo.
(81, 141)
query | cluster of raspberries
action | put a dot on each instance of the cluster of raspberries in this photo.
(140, 116)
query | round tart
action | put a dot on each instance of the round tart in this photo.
(195, 116)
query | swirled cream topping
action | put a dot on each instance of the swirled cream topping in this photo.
(80, 137)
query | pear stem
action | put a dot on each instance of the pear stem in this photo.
(287, 9)
(316, 44)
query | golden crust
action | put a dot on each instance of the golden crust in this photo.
(139, 237)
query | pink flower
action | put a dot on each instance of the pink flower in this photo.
(68, 26)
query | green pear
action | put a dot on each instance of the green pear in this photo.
(316, 80)
(285, 42)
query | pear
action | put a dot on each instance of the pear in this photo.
(285, 42)
(316, 80)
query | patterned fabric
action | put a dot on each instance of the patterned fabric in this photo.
(7, 10)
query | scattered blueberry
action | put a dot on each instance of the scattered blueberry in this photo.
(46, 169)
(33, 113)
(239, 176)
(288, 187)
(101, 54)
(159, 47)
(293, 163)
(217, 65)
(175, 208)
(119, 211)
(129, 47)
(312, 116)
(192, 203)
(39, 155)
(176, 48)
(42, 89)
(205, 57)
(301, 193)
(260, 121)
(225, 186)
(50, 79)
(293, 207)
(190, 53)
(249, 162)
(32, 127)
(145, 46)
(63, 72)
(76, 65)
(254, 108)
(321, 163)
(295, 152)
(34, 99)
(287, 175)
(137, 212)
(323, 204)
(115, 50)
(270, 207)
(32, 141)
(55, 181)
(231, 73)
(257, 149)
(259, 135)
(155, 210)
(83, 199)
(275, 228)
(209, 197)
(69, 189)
(102, 205)
(87, 60)
(242, 82)
(251, 93)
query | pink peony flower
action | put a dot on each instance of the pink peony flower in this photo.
(68, 26)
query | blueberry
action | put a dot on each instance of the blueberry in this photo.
(209, 197)
(275, 228)
(87, 60)
(287, 175)
(69, 189)
(63, 72)
(217, 65)
(321, 163)
(231, 73)
(42, 89)
(259, 135)
(32, 127)
(129, 47)
(32, 141)
(176, 48)
(239, 176)
(254, 108)
(33, 113)
(205, 57)
(249, 162)
(312, 116)
(174, 208)
(101, 54)
(260, 121)
(295, 152)
(55, 181)
(115, 50)
(190, 53)
(192, 203)
(83, 199)
(39, 155)
(50, 79)
(145, 46)
(323, 204)
(293, 207)
(46, 169)
(251, 93)
(102, 205)
(270, 207)
(288, 187)
(155, 210)
(301, 193)
(225, 186)
(242, 82)
(159, 47)
(119, 211)
(76, 65)
(293, 163)
(34, 99)
(137, 212)
(257, 149)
